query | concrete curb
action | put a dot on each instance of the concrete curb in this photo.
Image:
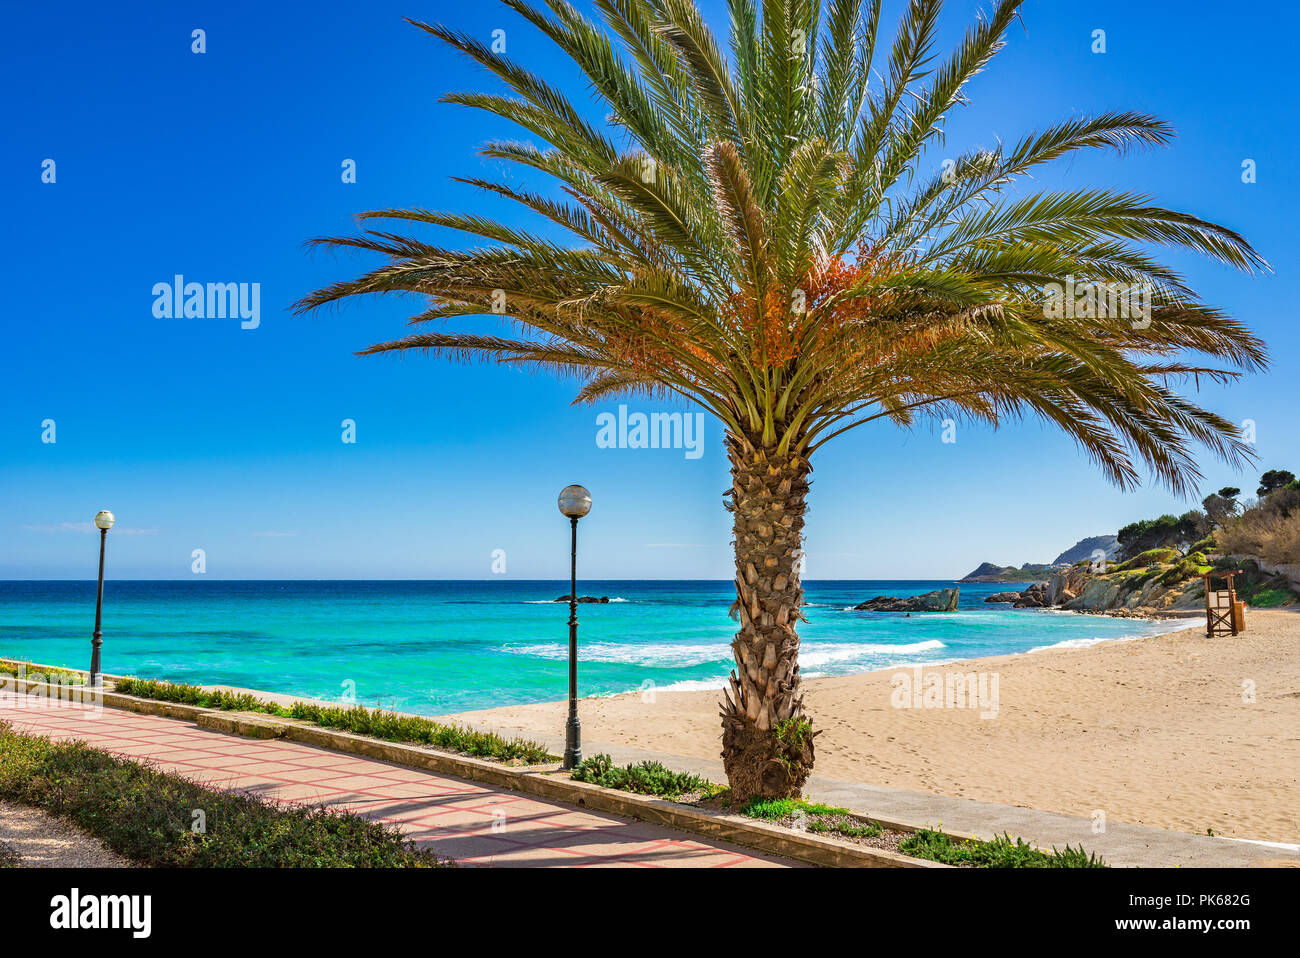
(543, 781)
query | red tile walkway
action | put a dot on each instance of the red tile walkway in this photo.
(472, 823)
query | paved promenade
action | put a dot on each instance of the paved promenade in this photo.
(1121, 844)
(472, 823)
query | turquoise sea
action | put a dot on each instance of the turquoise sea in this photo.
(440, 647)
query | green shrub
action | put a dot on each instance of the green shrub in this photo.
(410, 728)
(147, 815)
(1149, 558)
(1270, 598)
(29, 670)
(867, 830)
(165, 691)
(356, 719)
(1148, 534)
(1146, 576)
(645, 778)
(1002, 852)
(1185, 569)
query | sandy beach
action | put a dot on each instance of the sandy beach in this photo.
(1174, 731)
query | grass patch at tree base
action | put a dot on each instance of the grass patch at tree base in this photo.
(820, 819)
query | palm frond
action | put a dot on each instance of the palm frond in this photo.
(759, 230)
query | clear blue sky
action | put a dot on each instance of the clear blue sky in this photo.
(199, 434)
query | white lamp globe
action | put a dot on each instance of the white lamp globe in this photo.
(104, 519)
(575, 501)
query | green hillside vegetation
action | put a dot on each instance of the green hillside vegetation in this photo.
(1225, 534)
(1168, 566)
(1145, 560)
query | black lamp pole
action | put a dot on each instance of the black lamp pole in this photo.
(574, 503)
(573, 728)
(98, 640)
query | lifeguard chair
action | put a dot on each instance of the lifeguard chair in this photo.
(1224, 614)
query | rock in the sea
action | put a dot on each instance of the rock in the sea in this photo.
(1035, 597)
(584, 598)
(1003, 597)
(940, 600)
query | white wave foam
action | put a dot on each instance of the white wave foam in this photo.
(895, 664)
(693, 685)
(815, 655)
(612, 600)
(1071, 644)
(664, 655)
(1165, 625)
(660, 655)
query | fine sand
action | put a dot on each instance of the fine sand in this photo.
(33, 838)
(1174, 731)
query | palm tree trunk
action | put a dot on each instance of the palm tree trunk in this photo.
(766, 740)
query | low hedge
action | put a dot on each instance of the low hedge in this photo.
(148, 815)
(356, 719)
(26, 670)
(645, 778)
(1002, 852)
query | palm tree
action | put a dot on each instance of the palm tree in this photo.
(758, 232)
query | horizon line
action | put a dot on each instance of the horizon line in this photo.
(215, 579)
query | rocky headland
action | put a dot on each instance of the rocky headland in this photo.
(1093, 548)
(1156, 583)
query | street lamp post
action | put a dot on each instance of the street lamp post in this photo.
(574, 502)
(104, 521)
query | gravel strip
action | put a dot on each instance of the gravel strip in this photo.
(39, 840)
